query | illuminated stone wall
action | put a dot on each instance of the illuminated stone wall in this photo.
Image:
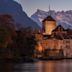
(67, 47)
(65, 44)
(52, 44)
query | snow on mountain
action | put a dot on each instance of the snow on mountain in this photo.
(14, 9)
(61, 17)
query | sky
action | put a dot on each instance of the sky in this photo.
(31, 6)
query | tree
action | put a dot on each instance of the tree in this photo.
(7, 30)
(25, 41)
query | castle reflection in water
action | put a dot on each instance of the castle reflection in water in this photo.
(40, 66)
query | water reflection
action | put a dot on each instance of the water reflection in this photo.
(56, 66)
(41, 66)
(6, 67)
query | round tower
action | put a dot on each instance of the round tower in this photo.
(49, 24)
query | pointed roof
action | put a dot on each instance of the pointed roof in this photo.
(48, 18)
(59, 27)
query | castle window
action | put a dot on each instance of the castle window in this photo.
(67, 46)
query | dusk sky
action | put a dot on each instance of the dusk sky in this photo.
(30, 6)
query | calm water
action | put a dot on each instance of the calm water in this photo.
(41, 66)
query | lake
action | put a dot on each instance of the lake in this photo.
(40, 66)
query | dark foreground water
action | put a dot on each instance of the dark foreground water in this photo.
(41, 66)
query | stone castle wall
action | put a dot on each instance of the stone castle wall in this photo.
(65, 45)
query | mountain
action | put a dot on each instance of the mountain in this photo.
(14, 9)
(63, 18)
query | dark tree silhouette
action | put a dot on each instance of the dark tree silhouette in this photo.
(25, 41)
(7, 30)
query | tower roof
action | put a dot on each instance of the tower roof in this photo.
(48, 18)
(59, 27)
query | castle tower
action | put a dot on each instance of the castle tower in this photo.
(49, 24)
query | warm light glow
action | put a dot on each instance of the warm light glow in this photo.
(49, 27)
(39, 47)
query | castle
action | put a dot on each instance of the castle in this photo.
(53, 40)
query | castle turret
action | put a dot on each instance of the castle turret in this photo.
(49, 24)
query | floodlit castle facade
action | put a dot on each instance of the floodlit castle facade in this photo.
(53, 40)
